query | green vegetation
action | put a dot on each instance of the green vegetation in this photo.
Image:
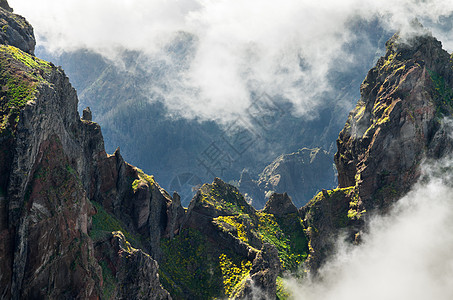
(282, 292)
(203, 268)
(443, 94)
(30, 61)
(104, 223)
(245, 224)
(142, 177)
(109, 281)
(354, 212)
(197, 266)
(193, 263)
(20, 74)
(287, 235)
(233, 274)
(388, 61)
(334, 199)
(225, 198)
(237, 223)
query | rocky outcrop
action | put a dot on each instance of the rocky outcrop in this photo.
(15, 30)
(53, 168)
(404, 99)
(87, 115)
(399, 122)
(220, 236)
(129, 273)
(280, 205)
(261, 283)
(4, 4)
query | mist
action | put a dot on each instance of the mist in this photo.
(283, 49)
(406, 254)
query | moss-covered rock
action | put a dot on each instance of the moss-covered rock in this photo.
(20, 75)
(222, 237)
(397, 123)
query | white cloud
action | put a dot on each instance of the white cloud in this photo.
(242, 46)
(406, 255)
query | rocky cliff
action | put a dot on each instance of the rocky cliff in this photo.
(77, 223)
(53, 168)
(230, 249)
(400, 121)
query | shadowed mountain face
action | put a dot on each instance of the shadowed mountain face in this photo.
(401, 120)
(128, 101)
(301, 174)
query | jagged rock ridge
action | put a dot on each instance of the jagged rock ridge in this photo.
(77, 223)
(397, 124)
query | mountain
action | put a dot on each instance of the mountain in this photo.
(54, 243)
(400, 121)
(300, 174)
(128, 99)
(77, 222)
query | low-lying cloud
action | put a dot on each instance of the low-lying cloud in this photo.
(406, 255)
(285, 49)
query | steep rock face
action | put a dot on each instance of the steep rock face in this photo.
(392, 128)
(261, 283)
(136, 199)
(54, 256)
(280, 205)
(220, 237)
(4, 4)
(15, 30)
(45, 210)
(135, 270)
(398, 122)
(52, 164)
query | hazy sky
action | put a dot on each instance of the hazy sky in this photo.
(241, 46)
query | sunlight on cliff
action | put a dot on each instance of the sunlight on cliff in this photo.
(406, 255)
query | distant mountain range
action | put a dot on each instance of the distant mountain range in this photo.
(136, 119)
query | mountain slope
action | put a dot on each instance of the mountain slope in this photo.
(76, 222)
(53, 164)
(400, 121)
(300, 174)
(79, 223)
(128, 98)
